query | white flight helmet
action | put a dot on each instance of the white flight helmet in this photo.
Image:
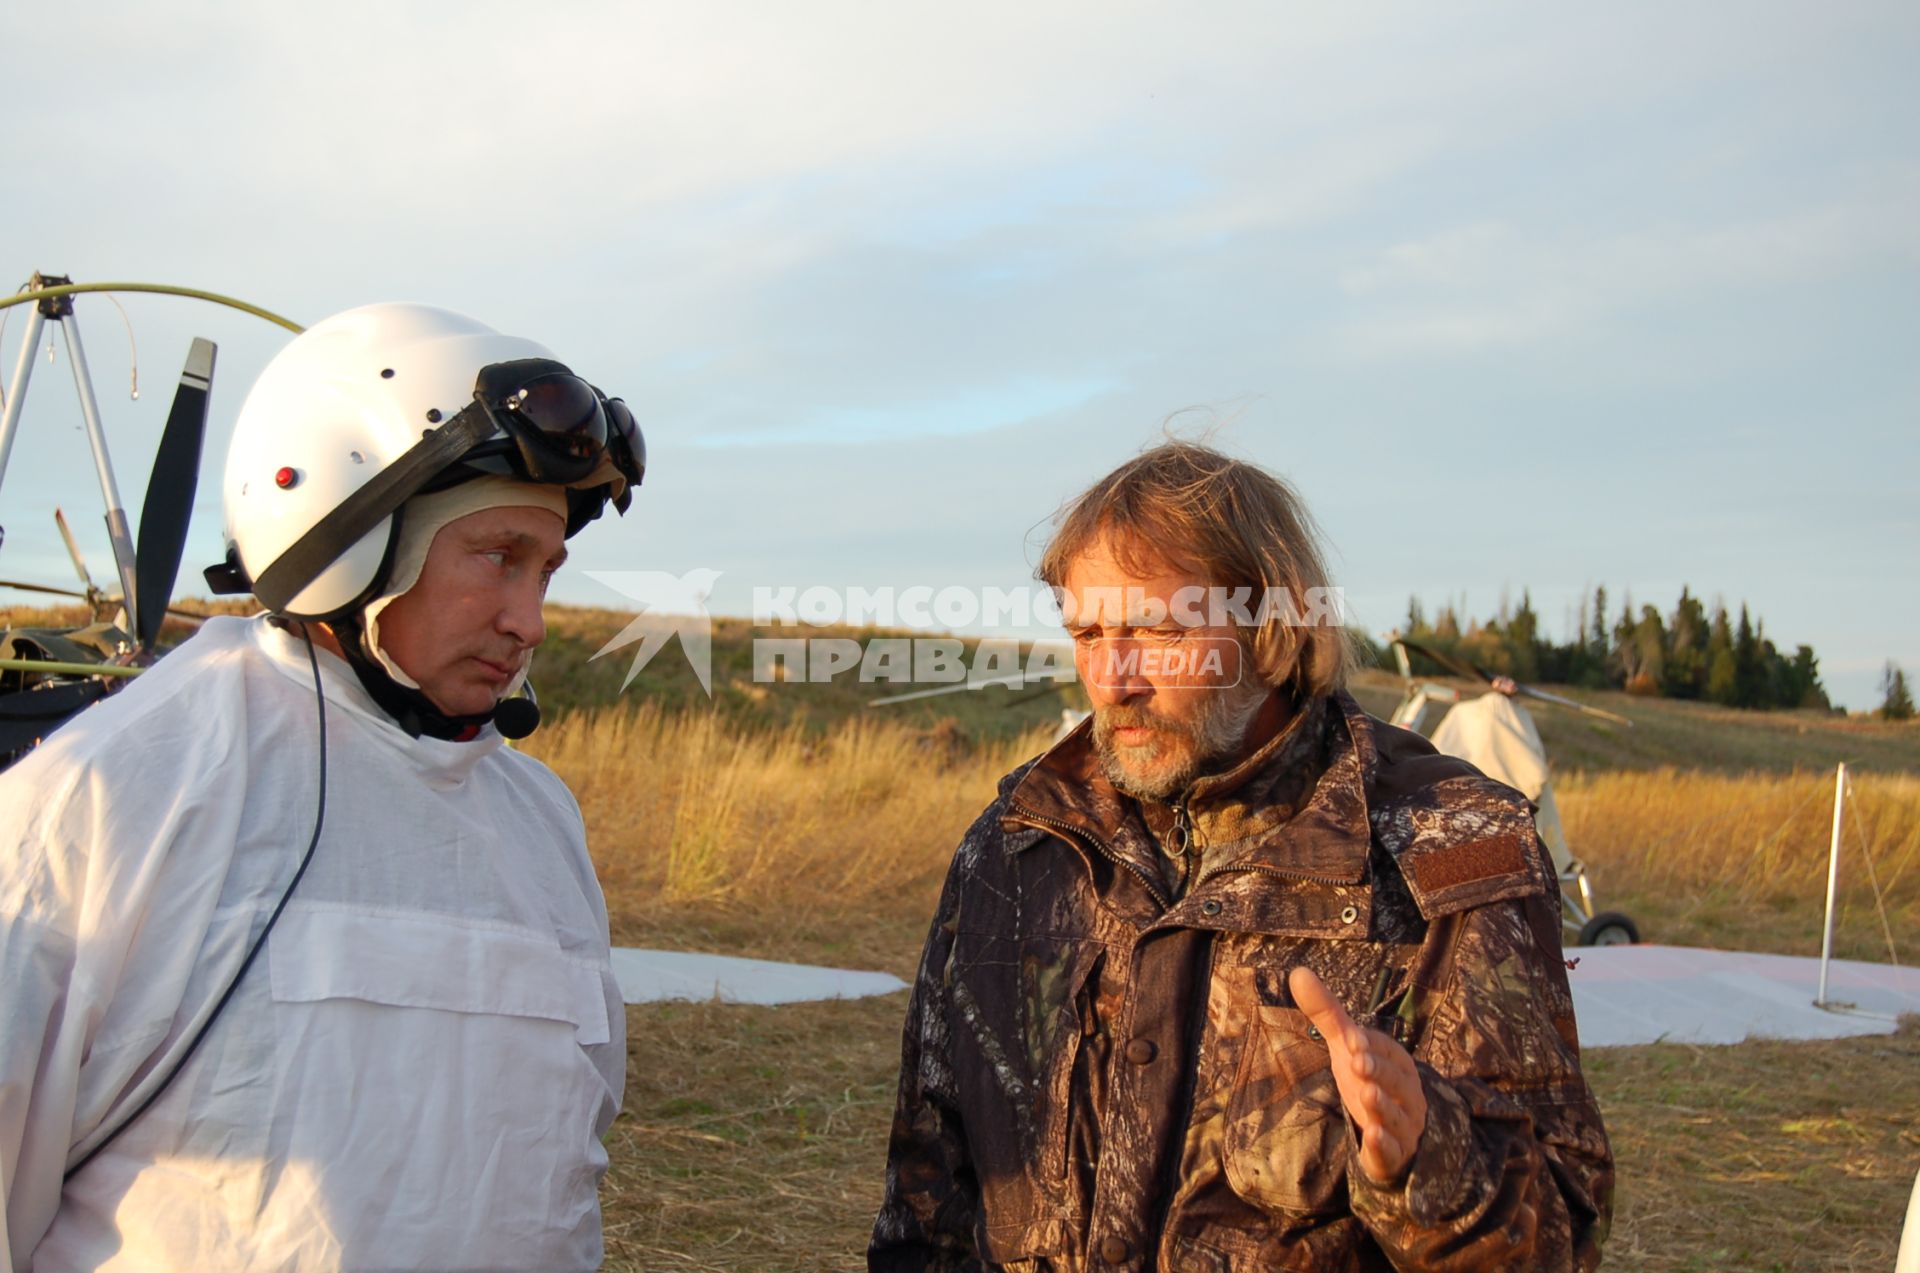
(340, 405)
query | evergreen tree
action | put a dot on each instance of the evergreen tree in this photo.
(1685, 655)
(1623, 660)
(1722, 681)
(1649, 652)
(1804, 681)
(1749, 675)
(1566, 664)
(1686, 673)
(1896, 703)
(1597, 639)
(1775, 691)
(1523, 637)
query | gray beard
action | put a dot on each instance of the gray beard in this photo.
(1215, 741)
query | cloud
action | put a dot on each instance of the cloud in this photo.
(1492, 285)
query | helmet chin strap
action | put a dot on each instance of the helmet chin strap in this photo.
(412, 710)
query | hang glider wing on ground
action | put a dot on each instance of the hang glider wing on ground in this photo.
(656, 976)
(1679, 994)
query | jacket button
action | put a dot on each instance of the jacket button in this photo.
(1210, 907)
(1350, 914)
(1115, 1250)
(1141, 1051)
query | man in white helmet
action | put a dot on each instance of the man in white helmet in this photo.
(303, 968)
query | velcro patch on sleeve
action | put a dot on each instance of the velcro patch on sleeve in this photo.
(1469, 873)
(1437, 870)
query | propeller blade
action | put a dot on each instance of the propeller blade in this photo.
(1457, 666)
(40, 587)
(170, 488)
(73, 553)
(1545, 697)
(1473, 671)
(186, 616)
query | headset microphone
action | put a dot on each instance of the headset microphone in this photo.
(519, 716)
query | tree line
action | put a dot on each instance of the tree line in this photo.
(1690, 652)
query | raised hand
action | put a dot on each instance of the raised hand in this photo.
(1378, 1083)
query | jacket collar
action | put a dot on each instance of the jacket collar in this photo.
(1296, 807)
(441, 764)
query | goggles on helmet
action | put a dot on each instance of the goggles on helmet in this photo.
(557, 427)
(547, 425)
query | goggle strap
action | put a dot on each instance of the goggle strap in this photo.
(348, 521)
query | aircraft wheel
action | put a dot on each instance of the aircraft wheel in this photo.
(1609, 928)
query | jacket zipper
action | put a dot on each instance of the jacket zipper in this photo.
(1183, 834)
(1318, 877)
(1154, 886)
(1184, 824)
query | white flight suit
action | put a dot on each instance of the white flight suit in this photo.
(419, 1067)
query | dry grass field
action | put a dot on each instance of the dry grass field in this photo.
(753, 1137)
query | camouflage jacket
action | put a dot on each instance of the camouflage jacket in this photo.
(1099, 1074)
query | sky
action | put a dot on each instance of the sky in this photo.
(1518, 297)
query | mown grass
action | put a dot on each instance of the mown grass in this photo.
(1768, 1156)
(753, 1140)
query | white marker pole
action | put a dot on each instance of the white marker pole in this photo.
(1833, 880)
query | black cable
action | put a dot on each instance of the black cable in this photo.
(319, 819)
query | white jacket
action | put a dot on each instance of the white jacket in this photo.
(417, 1070)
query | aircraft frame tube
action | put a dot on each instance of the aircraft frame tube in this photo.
(17, 391)
(53, 667)
(117, 533)
(162, 289)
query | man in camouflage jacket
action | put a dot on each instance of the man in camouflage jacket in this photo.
(1112, 1062)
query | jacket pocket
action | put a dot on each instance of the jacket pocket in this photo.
(455, 1064)
(1063, 1025)
(1019, 1029)
(1287, 1144)
(421, 960)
